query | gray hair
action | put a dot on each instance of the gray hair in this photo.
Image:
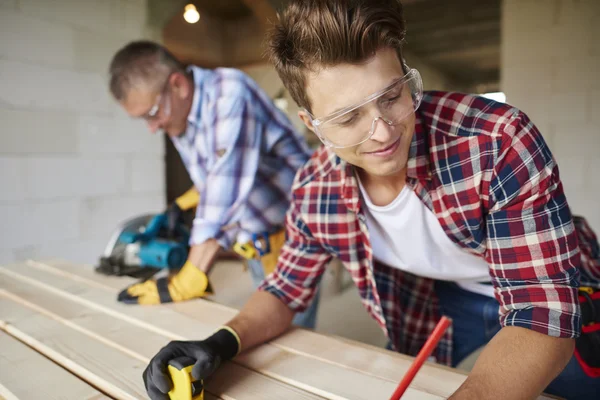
(141, 63)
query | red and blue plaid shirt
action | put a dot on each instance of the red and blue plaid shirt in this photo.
(486, 173)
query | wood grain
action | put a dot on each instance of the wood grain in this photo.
(362, 366)
(230, 382)
(105, 368)
(344, 353)
(6, 394)
(331, 381)
(42, 376)
(347, 353)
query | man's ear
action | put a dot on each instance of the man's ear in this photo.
(181, 85)
(306, 119)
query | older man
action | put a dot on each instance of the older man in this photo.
(240, 150)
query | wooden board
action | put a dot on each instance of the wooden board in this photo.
(332, 381)
(29, 304)
(346, 353)
(114, 372)
(305, 363)
(332, 350)
(18, 361)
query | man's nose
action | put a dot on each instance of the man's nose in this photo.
(382, 129)
(153, 126)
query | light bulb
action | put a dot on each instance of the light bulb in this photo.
(191, 15)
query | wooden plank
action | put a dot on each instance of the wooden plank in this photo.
(332, 381)
(29, 375)
(346, 353)
(107, 369)
(6, 394)
(129, 339)
(232, 381)
(139, 343)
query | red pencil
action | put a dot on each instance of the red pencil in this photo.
(430, 344)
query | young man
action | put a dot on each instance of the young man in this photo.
(437, 203)
(240, 150)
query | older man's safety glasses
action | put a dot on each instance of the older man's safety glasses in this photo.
(356, 124)
(153, 114)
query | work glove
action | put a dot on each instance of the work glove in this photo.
(175, 211)
(174, 215)
(208, 354)
(188, 283)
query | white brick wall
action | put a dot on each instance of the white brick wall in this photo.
(100, 215)
(550, 63)
(72, 164)
(144, 172)
(8, 4)
(26, 131)
(50, 88)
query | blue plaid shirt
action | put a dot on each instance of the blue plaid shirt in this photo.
(242, 154)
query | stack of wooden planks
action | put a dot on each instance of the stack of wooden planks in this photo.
(63, 335)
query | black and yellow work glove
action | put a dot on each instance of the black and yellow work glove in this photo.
(174, 212)
(187, 284)
(208, 355)
(174, 217)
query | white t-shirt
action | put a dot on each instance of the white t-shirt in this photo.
(405, 234)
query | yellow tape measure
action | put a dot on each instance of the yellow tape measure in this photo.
(184, 385)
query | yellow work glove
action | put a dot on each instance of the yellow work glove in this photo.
(187, 284)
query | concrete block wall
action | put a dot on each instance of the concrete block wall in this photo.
(72, 163)
(550, 64)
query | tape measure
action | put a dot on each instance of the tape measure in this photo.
(184, 385)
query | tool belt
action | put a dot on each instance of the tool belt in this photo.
(264, 247)
(587, 346)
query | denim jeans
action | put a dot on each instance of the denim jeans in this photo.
(475, 322)
(306, 319)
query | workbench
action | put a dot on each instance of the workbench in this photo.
(64, 335)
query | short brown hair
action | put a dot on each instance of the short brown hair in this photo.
(320, 33)
(141, 62)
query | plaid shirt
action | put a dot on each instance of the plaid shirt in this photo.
(486, 173)
(242, 154)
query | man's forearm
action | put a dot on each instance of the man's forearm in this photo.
(517, 363)
(263, 318)
(203, 255)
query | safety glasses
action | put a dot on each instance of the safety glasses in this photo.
(356, 124)
(156, 109)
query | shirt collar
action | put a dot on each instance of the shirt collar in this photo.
(194, 115)
(418, 166)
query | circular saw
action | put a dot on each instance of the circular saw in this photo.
(144, 245)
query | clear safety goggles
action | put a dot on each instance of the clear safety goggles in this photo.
(160, 110)
(356, 124)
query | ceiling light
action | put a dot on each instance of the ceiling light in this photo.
(191, 15)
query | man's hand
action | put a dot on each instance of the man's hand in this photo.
(185, 202)
(263, 318)
(174, 215)
(188, 283)
(517, 363)
(209, 354)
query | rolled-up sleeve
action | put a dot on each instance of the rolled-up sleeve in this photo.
(532, 246)
(300, 265)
